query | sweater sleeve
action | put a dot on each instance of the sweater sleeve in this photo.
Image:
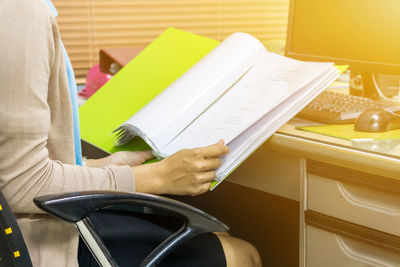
(27, 58)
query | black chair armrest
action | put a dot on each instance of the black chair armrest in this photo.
(75, 207)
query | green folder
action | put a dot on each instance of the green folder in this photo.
(149, 73)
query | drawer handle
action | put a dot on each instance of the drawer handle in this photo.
(357, 256)
(365, 203)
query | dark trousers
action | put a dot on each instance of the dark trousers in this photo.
(130, 239)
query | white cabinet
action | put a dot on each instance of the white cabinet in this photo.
(331, 250)
(351, 218)
(353, 203)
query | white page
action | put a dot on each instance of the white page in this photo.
(271, 80)
(255, 136)
(278, 116)
(258, 139)
(250, 98)
(179, 104)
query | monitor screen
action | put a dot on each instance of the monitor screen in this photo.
(364, 34)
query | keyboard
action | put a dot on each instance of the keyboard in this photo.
(337, 108)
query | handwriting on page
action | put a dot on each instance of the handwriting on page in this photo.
(247, 101)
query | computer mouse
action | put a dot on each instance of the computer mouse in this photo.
(377, 120)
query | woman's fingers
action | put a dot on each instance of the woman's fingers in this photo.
(144, 155)
(210, 164)
(188, 171)
(204, 188)
(213, 151)
(205, 177)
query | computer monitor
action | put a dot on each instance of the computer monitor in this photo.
(364, 34)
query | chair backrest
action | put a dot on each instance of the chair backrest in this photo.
(13, 251)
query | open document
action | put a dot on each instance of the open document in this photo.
(239, 92)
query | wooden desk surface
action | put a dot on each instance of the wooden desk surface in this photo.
(335, 151)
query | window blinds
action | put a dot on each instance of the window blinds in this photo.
(88, 25)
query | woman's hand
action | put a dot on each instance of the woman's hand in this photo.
(187, 172)
(121, 158)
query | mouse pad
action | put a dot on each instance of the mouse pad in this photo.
(346, 131)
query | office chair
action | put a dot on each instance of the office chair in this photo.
(13, 251)
(77, 207)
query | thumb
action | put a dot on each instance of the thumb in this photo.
(221, 142)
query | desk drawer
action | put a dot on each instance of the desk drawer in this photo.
(354, 203)
(331, 250)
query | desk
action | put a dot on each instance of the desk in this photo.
(278, 196)
(283, 200)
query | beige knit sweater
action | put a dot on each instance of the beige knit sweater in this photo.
(36, 131)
